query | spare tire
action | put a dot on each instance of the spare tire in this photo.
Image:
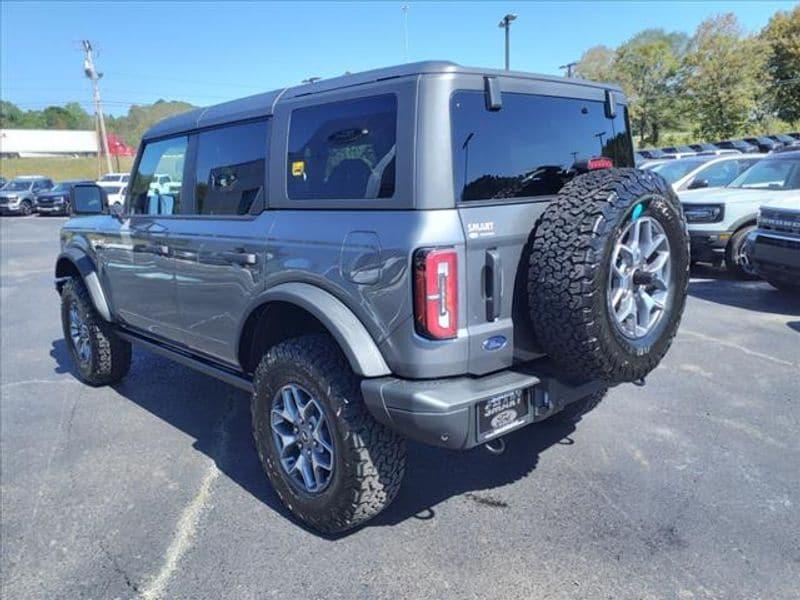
(609, 271)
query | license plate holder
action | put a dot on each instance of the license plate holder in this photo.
(502, 413)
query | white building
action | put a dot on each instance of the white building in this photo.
(47, 142)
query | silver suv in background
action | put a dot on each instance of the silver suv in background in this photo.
(18, 196)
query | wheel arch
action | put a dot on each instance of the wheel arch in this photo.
(293, 309)
(73, 262)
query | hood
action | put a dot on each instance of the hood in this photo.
(732, 195)
(791, 203)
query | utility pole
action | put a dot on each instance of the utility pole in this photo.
(94, 76)
(506, 24)
(569, 67)
(404, 8)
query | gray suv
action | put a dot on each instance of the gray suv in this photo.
(429, 251)
(18, 196)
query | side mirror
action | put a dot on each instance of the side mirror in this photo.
(698, 184)
(88, 199)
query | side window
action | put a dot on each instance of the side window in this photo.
(156, 188)
(719, 174)
(343, 150)
(230, 171)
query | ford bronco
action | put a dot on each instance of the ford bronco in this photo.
(429, 251)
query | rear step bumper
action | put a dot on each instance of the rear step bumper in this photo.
(444, 412)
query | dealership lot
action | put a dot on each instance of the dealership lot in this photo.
(687, 488)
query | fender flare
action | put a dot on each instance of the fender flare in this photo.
(359, 348)
(84, 265)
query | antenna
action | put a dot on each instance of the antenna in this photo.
(404, 8)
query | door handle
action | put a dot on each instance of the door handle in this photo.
(238, 258)
(156, 249)
(184, 254)
(494, 284)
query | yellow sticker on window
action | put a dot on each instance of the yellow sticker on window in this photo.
(298, 168)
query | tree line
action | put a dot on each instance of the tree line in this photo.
(129, 127)
(718, 83)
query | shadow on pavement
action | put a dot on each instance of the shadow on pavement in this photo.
(200, 405)
(716, 285)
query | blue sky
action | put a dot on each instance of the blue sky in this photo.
(206, 53)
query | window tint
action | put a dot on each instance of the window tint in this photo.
(773, 174)
(229, 173)
(151, 196)
(343, 150)
(719, 174)
(532, 146)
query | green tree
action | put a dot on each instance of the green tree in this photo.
(782, 39)
(722, 77)
(647, 66)
(597, 64)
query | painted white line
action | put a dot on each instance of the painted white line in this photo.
(185, 532)
(733, 345)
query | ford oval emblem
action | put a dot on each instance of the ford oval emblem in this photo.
(494, 343)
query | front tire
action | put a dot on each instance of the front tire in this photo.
(308, 415)
(100, 356)
(737, 259)
(26, 208)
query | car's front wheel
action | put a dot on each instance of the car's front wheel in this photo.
(26, 208)
(737, 254)
(332, 464)
(100, 356)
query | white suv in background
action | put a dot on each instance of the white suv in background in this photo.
(720, 219)
(705, 172)
(114, 178)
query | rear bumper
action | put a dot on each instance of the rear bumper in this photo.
(708, 246)
(443, 412)
(777, 256)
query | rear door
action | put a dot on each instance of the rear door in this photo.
(508, 164)
(219, 244)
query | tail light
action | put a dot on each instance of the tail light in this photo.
(436, 293)
(600, 163)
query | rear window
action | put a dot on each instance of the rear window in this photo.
(532, 146)
(343, 150)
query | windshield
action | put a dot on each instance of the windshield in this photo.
(17, 186)
(110, 177)
(674, 170)
(61, 187)
(779, 174)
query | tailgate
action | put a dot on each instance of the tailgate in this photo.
(496, 283)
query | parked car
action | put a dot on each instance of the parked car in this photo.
(703, 147)
(679, 151)
(652, 164)
(372, 287)
(3, 181)
(720, 220)
(115, 192)
(56, 201)
(114, 178)
(740, 145)
(18, 196)
(705, 172)
(653, 154)
(764, 143)
(783, 138)
(775, 245)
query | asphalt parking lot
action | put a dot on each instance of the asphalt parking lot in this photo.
(686, 488)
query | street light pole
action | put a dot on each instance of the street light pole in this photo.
(506, 24)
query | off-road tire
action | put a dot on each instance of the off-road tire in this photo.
(111, 356)
(784, 286)
(577, 409)
(369, 458)
(732, 251)
(569, 269)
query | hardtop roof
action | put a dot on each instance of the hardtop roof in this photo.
(263, 105)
